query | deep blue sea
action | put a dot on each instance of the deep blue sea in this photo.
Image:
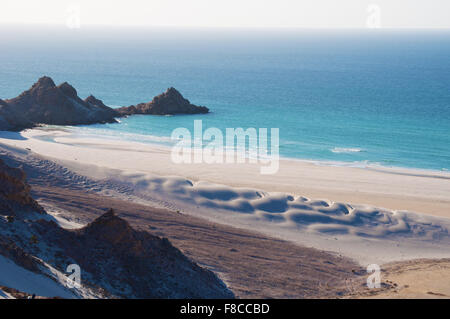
(357, 97)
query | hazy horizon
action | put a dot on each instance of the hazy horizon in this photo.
(231, 14)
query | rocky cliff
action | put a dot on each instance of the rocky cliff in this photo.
(15, 195)
(115, 259)
(133, 264)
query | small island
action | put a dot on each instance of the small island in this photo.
(170, 102)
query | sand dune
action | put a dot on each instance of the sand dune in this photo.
(299, 212)
(365, 233)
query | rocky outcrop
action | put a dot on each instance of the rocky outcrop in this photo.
(131, 263)
(13, 252)
(15, 198)
(168, 103)
(46, 103)
(116, 260)
(92, 100)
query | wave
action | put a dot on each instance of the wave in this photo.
(167, 141)
(346, 150)
(105, 133)
(354, 164)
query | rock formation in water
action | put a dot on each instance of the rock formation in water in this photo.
(46, 103)
(168, 103)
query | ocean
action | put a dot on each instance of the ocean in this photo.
(346, 97)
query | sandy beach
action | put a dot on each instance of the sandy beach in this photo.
(340, 219)
(372, 215)
(422, 191)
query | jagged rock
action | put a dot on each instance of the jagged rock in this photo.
(68, 90)
(168, 103)
(15, 198)
(131, 263)
(94, 101)
(46, 103)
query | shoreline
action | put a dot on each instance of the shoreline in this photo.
(417, 190)
(225, 194)
(364, 164)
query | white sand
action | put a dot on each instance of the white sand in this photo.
(24, 280)
(285, 205)
(419, 279)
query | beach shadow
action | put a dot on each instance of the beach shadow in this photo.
(12, 136)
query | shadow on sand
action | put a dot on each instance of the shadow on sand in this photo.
(12, 135)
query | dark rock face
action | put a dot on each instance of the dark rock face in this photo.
(15, 198)
(11, 251)
(168, 103)
(46, 103)
(133, 264)
(92, 100)
(68, 90)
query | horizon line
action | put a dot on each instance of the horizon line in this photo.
(149, 26)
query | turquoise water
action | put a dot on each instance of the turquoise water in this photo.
(380, 97)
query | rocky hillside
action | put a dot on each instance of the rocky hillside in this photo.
(132, 264)
(15, 198)
(116, 260)
(168, 103)
(46, 103)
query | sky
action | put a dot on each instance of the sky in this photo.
(231, 13)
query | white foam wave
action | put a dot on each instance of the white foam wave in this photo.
(346, 150)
